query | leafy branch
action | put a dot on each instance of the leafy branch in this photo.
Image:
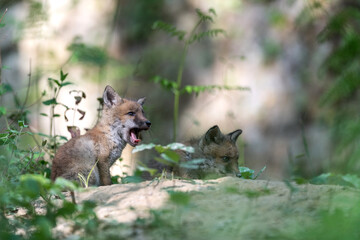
(188, 38)
(56, 85)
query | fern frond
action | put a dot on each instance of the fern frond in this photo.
(165, 83)
(339, 23)
(204, 17)
(199, 88)
(211, 10)
(346, 85)
(173, 31)
(209, 33)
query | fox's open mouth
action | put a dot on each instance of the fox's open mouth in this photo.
(134, 136)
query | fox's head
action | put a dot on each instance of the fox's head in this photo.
(220, 151)
(125, 117)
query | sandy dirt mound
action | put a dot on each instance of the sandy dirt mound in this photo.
(225, 208)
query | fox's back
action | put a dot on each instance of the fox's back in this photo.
(77, 153)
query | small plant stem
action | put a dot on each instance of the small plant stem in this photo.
(27, 90)
(52, 112)
(3, 15)
(0, 67)
(179, 79)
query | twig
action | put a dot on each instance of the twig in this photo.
(27, 90)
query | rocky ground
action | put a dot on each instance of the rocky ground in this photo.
(225, 208)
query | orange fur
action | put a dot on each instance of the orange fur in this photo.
(120, 124)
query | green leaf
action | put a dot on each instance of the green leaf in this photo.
(2, 111)
(87, 54)
(330, 178)
(131, 179)
(192, 164)
(211, 10)
(5, 88)
(43, 135)
(43, 114)
(33, 185)
(62, 137)
(64, 184)
(165, 83)
(50, 102)
(164, 161)
(321, 179)
(159, 25)
(171, 156)
(208, 88)
(246, 173)
(143, 147)
(353, 179)
(55, 81)
(152, 171)
(63, 76)
(180, 146)
(204, 17)
(66, 83)
(22, 124)
(162, 149)
(210, 33)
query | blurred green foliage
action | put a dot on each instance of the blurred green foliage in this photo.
(196, 34)
(342, 71)
(138, 17)
(87, 54)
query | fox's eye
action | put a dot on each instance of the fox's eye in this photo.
(131, 113)
(226, 158)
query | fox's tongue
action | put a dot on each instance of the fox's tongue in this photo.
(134, 138)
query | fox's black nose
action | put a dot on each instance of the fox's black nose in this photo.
(148, 123)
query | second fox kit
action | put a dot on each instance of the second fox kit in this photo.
(219, 152)
(121, 122)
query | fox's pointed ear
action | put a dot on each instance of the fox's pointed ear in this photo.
(141, 101)
(213, 135)
(110, 97)
(235, 134)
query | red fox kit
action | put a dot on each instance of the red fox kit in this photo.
(219, 152)
(121, 122)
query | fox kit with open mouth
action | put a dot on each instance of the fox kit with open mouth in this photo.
(121, 122)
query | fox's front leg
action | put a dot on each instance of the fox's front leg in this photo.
(104, 171)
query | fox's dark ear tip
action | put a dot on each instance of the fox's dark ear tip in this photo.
(240, 131)
(108, 87)
(215, 126)
(141, 101)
